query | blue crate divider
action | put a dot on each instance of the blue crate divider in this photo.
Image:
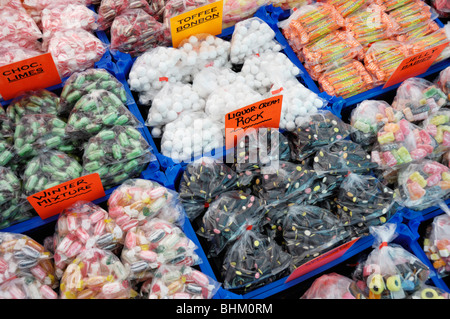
(278, 14)
(279, 285)
(414, 222)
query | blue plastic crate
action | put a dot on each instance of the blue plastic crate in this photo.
(277, 14)
(414, 221)
(174, 174)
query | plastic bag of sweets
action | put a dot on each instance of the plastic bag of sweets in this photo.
(341, 158)
(390, 5)
(202, 181)
(75, 50)
(109, 10)
(7, 152)
(306, 231)
(35, 7)
(26, 288)
(170, 101)
(176, 7)
(370, 24)
(346, 79)
(332, 286)
(252, 261)
(21, 256)
(316, 130)
(436, 244)
(15, 4)
(344, 8)
(81, 226)
(137, 201)
(49, 169)
(95, 274)
(235, 11)
(192, 134)
(39, 101)
(422, 30)
(83, 82)
(134, 31)
(411, 14)
(368, 117)
(154, 69)
(310, 22)
(283, 179)
(12, 206)
(438, 37)
(252, 36)
(383, 58)
(423, 184)
(18, 27)
(443, 81)
(203, 50)
(95, 111)
(12, 52)
(401, 143)
(363, 201)
(226, 219)
(389, 271)
(437, 125)
(181, 282)
(67, 16)
(37, 133)
(418, 98)
(156, 243)
(116, 154)
(429, 292)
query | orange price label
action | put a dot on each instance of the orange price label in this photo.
(415, 65)
(265, 113)
(52, 201)
(38, 72)
(205, 19)
(321, 260)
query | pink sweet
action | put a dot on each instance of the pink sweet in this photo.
(418, 153)
(389, 159)
(434, 179)
(434, 168)
(405, 127)
(431, 129)
(446, 139)
(399, 137)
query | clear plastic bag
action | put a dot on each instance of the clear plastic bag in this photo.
(252, 261)
(331, 286)
(408, 15)
(438, 37)
(191, 135)
(209, 79)
(363, 201)
(35, 7)
(21, 256)
(109, 10)
(18, 27)
(117, 154)
(155, 244)
(65, 17)
(443, 81)
(418, 98)
(368, 117)
(155, 68)
(436, 125)
(341, 158)
(39, 101)
(315, 131)
(38, 133)
(423, 184)
(429, 292)
(172, 100)
(401, 143)
(49, 169)
(203, 50)
(230, 98)
(81, 83)
(12, 52)
(137, 201)
(181, 282)
(227, 217)
(95, 274)
(83, 225)
(98, 110)
(252, 36)
(26, 288)
(135, 31)
(306, 231)
(389, 271)
(436, 244)
(75, 50)
(202, 181)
